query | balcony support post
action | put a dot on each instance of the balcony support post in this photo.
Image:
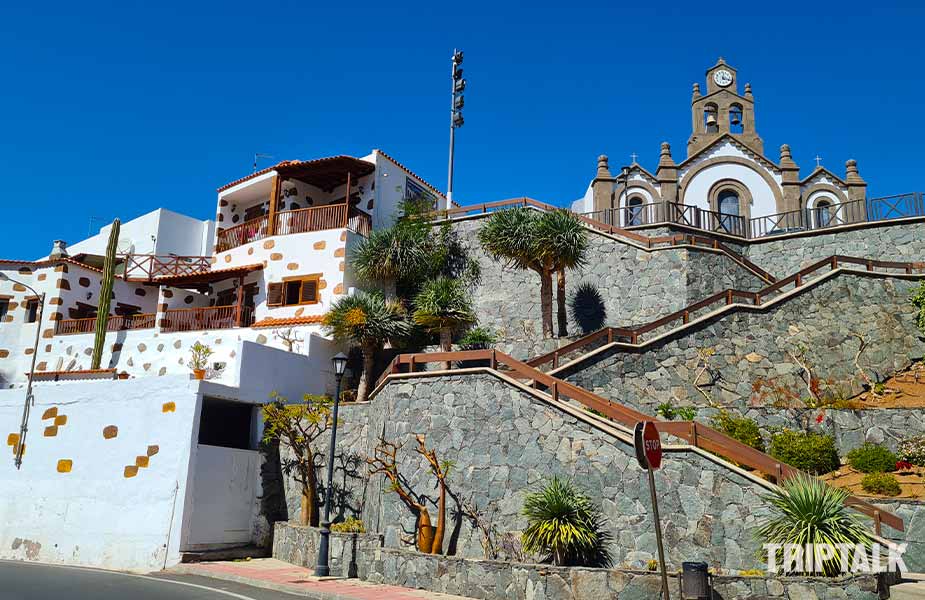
(347, 201)
(274, 202)
(239, 303)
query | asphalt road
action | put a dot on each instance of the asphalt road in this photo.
(32, 581)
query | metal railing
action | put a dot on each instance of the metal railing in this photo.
(805, 219)
(303, 220)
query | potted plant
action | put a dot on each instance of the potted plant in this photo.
(199, 359)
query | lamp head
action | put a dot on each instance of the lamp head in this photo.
(339, 361)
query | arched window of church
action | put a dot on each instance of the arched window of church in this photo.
(728, 204)
(634, 211)
(823, 213)
(735, 119)
(710, 115)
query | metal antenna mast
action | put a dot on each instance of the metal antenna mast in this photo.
(456, 117)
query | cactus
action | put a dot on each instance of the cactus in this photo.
(105, 298)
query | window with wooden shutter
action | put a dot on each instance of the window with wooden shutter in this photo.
(309, 291)
(275, 294)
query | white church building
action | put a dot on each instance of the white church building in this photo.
(727, 185)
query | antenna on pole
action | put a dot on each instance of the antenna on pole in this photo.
(260, 155)
(456, 117)
(90, 224)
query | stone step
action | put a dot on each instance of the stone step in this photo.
(908, 591)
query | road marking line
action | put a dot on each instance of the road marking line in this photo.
(106, 572)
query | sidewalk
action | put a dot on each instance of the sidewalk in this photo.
(273, 574)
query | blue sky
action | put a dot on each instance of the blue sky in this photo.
(114, 109)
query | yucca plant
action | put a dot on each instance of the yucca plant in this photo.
(368, 321)
(565, 526)
(806, 510)
(442, 306)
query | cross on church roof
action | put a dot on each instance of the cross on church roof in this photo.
(634, 156)
(818, 161)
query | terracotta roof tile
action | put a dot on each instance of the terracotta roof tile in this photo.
(287, 321)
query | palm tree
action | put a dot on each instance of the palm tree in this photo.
(511, 235)
(443, 306)
(565, 239)
(368, 321)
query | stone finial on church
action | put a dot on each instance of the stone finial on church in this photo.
(603, 170)
(748, 91)
(786, 158)
(664, 157)
(696, 91)
(851, 172)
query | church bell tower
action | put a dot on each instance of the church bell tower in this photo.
(721, 110)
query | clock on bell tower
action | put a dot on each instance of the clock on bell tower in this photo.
(722, 110)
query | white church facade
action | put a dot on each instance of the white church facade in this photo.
(727, 184)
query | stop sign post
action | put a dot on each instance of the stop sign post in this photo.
(648, 446)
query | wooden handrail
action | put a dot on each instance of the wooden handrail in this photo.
(696, 434)
(301, 220)
(202, 318)
(683, 315)
(145, 267)
(114, 323)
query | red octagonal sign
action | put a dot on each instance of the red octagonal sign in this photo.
(648, 445)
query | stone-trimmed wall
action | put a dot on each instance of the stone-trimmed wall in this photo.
(491, 580)
(636, 286)
(913, 515)
(505, 442)
(753, 344)
(899, 241)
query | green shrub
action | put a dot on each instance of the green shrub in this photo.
(742, 429)
(804, 510)
(687, 413)
(871, 458)
(884, 484)
(811, 452)
(564, 525)
(912, 450)
(349, 525)
(478, 338)
(918, 301)
(666, 411)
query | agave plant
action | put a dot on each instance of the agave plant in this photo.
(805, 510)
(565, 526)
(368, 321)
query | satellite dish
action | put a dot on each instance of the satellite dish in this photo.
(125, 246)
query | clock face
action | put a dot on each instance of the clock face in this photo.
(722, 77)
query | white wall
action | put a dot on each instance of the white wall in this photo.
(697, 189)
(93, 513)
(173, 233)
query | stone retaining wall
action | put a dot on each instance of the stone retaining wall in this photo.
(495, 580)
(636, 286)
(748, 345)
(505, 443)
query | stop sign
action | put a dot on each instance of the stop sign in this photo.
(648, 445)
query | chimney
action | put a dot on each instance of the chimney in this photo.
(59, 249)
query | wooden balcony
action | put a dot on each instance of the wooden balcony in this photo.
(304, 220)
(115, 323)
(201, 319)
(145, 267)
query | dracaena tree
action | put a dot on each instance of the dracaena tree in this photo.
(366, 320)
(565, 239)
(546, 243)
(443, 306)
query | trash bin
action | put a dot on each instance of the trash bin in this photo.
(695, 581)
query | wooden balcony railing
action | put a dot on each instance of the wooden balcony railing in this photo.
(115, 323)
(695, 434)
(145, 267)
(211, 317)
(303, 220)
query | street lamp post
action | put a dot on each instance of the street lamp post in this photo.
(456, 118)
(323, 568)
(24, 425)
